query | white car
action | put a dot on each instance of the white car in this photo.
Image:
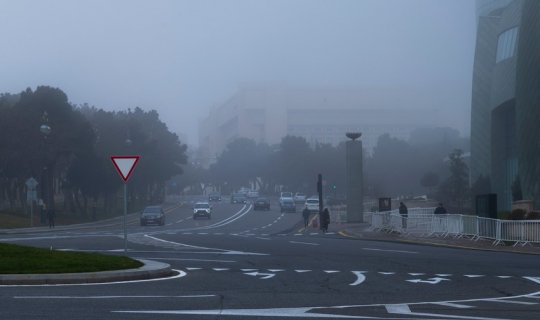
(202, 209)
(299, 197)
(312, 204)
(286, 195)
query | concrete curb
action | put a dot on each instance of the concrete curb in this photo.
(353, 235)
(150, 270)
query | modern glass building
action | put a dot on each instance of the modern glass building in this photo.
(505, 97)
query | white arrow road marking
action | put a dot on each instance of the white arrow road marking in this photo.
(360, 277)
(302, 271)
(275, 312)
(264, 275)
(430, 280)
(533, 279)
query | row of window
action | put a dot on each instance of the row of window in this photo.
(506, 45)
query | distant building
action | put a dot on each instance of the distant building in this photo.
(505, 108)
(267, 114)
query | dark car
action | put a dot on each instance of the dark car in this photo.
(153, 215)
(214, 197)
(287, 205)
(261, 204)
(238, 198)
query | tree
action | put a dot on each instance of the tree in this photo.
(430, 180)
(455, 187)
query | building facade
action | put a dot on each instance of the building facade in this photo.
(503, 95)
(320, 115)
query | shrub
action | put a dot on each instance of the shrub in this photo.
(517, 214)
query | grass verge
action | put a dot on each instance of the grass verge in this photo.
(15, 259)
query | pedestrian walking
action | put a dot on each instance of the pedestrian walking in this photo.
(404, 212)
(324, 218)
(50, 216)
(305, 214)
(440, 209)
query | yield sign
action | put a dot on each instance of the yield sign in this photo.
(125, 165)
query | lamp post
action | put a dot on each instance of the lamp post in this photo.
(45, 129)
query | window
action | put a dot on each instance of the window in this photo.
(506, 45)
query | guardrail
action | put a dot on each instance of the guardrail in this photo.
(422, 222)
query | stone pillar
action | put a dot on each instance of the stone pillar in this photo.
(355, 192)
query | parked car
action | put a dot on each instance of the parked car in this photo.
(238, 198)
(261, 204)
(214, 196)
(153, 215)
(312, 204)
(287, 205)
(202, 209)
(300, 197)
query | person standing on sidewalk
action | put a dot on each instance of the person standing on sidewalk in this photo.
(324, 220)
(440, 209)
(305, 214)
(404, 212)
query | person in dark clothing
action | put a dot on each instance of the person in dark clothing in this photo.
(305, 214)
(440, 209)
(324, 220)
(403, 211)
(50, 216)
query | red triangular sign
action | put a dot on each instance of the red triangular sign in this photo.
(125, 165)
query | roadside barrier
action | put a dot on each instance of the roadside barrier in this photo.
(422, 222)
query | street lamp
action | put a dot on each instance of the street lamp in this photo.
(45, 129)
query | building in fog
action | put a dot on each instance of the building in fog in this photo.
(267, 114)
(505, 108)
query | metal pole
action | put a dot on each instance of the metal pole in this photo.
(125, 215)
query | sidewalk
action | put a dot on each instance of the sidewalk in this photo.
(362, 231)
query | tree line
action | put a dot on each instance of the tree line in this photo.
(72, 162)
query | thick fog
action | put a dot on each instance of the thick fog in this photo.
(182, 57)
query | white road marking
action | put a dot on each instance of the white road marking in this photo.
(399, 251)
(443, 275)
(202, 233)
(297, 234)
(387, 273)
(430, 280)
(220, 269)
(302, 271)
(313, 233)
(397, 308)
(112, 297)
(275, 312)
(261, 238)
(189, 259)
(264, 275)
(222, 251)
(504, 277)
(218, 233)
(453, 305)
(511, 301)
(185, 233)
(181, 220)
(417, 274)
(308, 243)
(282, 234)
(248, 270)
(330, 233)
(360, 277)
(276, 270)
(189, 269)
(474, 275)
(331, 271)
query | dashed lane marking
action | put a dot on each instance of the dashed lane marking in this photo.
(306, 243)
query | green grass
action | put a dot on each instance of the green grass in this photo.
(15, 259)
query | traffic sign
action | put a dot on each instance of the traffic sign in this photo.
(125, 165)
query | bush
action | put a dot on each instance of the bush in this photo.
(517, 214)
(533, 215)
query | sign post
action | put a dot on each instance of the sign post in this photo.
(125, 165)
(31, 196)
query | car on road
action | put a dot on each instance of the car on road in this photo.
(152, 215)
(286, 195)
(300, 197)
(312, 204)
(238, 198)
(214, 196)
(202, 209)
(287, 205)
(261, 204)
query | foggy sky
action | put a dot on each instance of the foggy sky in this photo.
(181, 57)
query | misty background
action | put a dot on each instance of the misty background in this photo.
(182, 57)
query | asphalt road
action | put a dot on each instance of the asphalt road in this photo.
(245, 264)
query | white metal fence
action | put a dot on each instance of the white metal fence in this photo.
(422, 222)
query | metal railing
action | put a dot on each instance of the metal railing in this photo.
(423, 222)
